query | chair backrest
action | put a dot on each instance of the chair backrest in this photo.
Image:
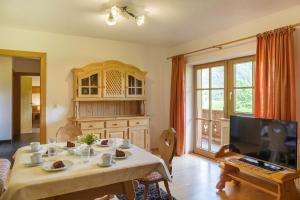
(4, 173)
(167, 146)
(69, 132)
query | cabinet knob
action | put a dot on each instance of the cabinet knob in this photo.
(90, 126)
(114, 124)
(137, 123)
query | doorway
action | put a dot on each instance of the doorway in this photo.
(26, 100)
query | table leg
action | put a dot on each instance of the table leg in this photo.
(129, 190)
(224, 177)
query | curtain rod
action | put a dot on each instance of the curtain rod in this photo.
(220, 46)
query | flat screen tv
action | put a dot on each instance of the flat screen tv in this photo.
(268, 140)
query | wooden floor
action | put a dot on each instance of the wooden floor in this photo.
(195, 178)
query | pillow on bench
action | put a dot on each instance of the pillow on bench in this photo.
(4, 172)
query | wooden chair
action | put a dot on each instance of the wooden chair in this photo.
(69, 132)
(167, 147)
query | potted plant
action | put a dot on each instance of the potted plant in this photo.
(88, 139)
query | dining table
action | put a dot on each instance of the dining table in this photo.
(84, 179)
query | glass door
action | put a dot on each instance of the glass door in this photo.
(210, 100)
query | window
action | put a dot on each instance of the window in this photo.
(241, 86)
(221, 89)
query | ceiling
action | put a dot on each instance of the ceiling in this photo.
(168, 22)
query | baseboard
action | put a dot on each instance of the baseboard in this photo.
(5, 141)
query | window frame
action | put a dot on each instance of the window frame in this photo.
(228, 84)
(231, 87)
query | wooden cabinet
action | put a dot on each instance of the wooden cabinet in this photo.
(139, 136)
(109, 100)
(117, 133)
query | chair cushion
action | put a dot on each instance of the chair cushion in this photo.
(4, 172)
(153, 176)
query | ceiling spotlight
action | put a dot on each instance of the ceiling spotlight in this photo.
(140, 20)
(114, 11)
(111, 19)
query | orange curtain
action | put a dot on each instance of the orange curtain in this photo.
(177, 101)
(275, 95)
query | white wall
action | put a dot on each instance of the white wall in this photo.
(276, 20)
(5, 98)
(65, 52)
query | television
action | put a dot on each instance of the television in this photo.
(274, 141)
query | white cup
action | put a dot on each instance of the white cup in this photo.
(126, 142)
(35, 146)
(107, 159)
(36, 158)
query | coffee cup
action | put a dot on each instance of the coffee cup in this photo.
(107, 159)
(126, 142)
(36, 158)
(35, 146)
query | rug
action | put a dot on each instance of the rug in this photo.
(152, 193)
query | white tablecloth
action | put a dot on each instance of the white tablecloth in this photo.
(35, 183)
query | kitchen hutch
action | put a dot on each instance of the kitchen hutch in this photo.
(109, 100)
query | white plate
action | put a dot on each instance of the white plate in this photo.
(30, 164)
(47, 166)
(120, 158)
(29, 150)
(125, 147)
(102, 145)
(102, 165)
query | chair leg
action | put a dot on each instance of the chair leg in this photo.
(158, 190)
(168, 189)
(146, 191)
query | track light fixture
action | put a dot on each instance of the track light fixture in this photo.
(116, 11)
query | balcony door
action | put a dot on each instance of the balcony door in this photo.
(210, 101)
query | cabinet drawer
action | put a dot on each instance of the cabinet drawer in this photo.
(116, 123)
(92, 125)
(138, 122)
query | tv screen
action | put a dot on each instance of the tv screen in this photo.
(269, 140)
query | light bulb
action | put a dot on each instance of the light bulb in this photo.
(140, 20)
(114, 11)
(111, 20)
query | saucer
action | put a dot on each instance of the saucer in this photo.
(30, 151)
(103, 165)
(30, 164)
(120, 158)
(125, 147)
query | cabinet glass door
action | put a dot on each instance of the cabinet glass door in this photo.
(89, 86)
(135, 86)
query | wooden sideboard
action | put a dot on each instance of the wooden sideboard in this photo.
(109, 100)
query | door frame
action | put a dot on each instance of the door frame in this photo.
(43, 64)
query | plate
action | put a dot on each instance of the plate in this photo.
(102, 165)
(30, 151)
(120, 158)
(102, 145)
(30, 164)
(47, 166)
(125, 147)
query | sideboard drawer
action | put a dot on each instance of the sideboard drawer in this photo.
(116, 123)
(92, 125)
(138, 122)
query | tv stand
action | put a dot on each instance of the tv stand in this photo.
(259, 163)
(278, 183)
